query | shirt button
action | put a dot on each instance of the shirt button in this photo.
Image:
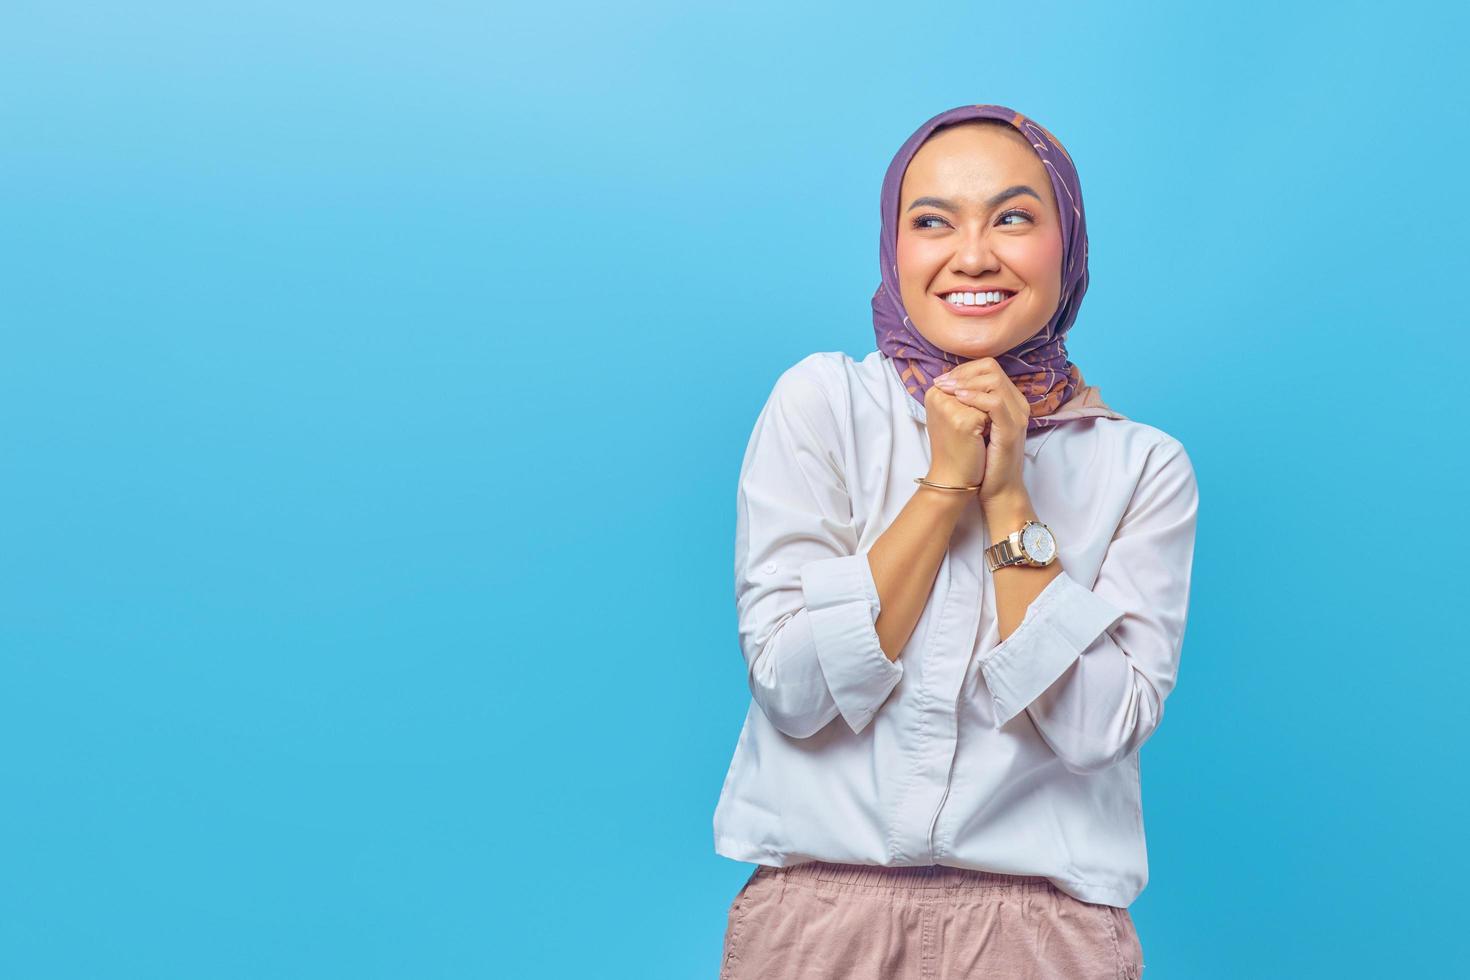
(770, 566)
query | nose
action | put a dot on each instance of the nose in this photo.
(974, 255)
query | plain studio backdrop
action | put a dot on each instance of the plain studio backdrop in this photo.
(374, 382)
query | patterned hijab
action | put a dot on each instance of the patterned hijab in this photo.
(1037, 366)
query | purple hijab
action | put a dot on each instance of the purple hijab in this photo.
(1039, 365)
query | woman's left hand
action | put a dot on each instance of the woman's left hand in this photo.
(984, 386)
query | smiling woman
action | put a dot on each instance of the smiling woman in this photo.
(961, 240)
(952, 673)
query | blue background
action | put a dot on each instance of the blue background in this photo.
(376, 376)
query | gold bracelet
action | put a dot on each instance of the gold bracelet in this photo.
(941, 486)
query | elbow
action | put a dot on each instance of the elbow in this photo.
(797, 723)
(1090, 753)
(818, 664)
(1090, 757)
(1089, 761)
(795, 703)
(788, 710)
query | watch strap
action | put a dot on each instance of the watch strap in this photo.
(1005, 552)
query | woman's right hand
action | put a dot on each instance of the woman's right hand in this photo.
(956, 439)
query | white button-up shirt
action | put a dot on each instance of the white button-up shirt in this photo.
(1019, 757)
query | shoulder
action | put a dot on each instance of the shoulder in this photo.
(848, 384)
(1139, 438)
(818, 388)
(1150, 460)
(1126, 447)
(828, 372)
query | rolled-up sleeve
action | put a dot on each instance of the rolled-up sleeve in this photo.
(805, 596)
(1092, 666)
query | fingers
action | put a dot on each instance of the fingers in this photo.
(962, 409)
(972, 373)
(986, 400)
(984, 376)
(993, 404)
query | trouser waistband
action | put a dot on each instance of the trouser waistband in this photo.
(915, 877)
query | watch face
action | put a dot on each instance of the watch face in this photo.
(1038, 543)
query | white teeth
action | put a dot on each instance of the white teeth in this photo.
(975, 299)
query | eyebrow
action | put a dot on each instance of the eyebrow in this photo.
(948, 205)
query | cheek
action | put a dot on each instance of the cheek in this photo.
(910, 258)
(918, 260)
(905, 254)
(1041, 260)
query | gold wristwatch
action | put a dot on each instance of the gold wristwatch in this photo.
(1032, 545)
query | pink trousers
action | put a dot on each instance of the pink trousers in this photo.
(824, 921)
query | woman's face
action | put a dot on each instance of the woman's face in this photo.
(977, 212)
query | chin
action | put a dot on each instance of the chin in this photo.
(968, 345)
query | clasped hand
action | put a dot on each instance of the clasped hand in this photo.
(977, 427)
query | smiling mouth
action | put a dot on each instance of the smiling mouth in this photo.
(983, 304)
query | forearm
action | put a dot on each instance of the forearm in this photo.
(905, 560)
(1091, 657)
(1015, 585)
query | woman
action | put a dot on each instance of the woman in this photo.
(962, 582)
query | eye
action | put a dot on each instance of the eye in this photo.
(919, 221)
